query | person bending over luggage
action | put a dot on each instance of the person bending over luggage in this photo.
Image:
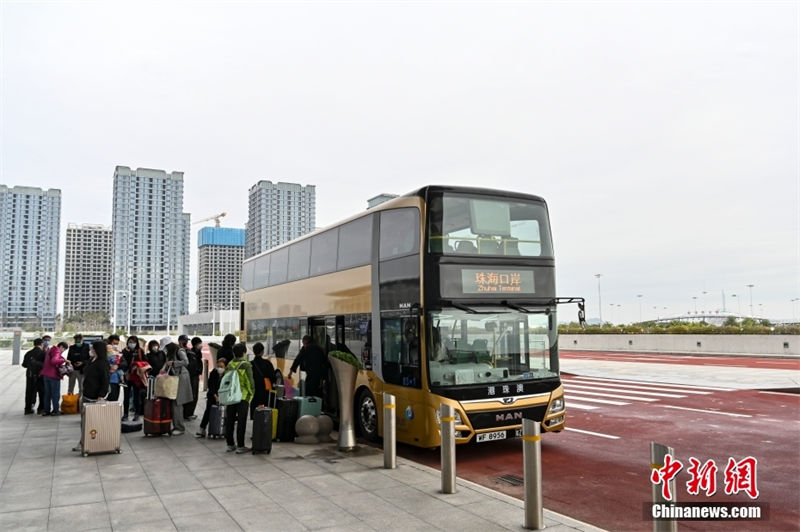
(263, 371)
(176, 365)
(212, 395)
(33, 361)
(237, 413)
(313, 361)
(95, 378)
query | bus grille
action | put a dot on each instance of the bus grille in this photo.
(505, 418)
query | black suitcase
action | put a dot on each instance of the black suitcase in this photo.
(216, 422)
(262, 430)
(287, 417)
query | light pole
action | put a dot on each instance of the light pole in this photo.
(599, 298)
(640, 307)
(794, 308)
(611, 317)
(131, 269)
(750, 286)
(695, 305)
(739, 303)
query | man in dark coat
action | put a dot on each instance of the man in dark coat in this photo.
(78, 356)
(313, 361)
(195, 355)
(33, 362)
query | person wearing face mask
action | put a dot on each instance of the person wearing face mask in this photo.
(212, 396)
(95, 377)
(78, 356)
(155, 357)
(52, 378)
(135, 386)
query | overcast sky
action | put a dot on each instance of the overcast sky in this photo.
(664, 135)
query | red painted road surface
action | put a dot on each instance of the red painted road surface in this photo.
(598, 470)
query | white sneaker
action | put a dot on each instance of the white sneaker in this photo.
(177, 432)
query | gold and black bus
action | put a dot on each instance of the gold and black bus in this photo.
(445, 294)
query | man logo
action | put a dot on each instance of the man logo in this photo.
(510, 416)
(509, 400)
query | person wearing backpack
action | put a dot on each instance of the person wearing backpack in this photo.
(237, 383)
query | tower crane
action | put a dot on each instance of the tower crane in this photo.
(216, 218)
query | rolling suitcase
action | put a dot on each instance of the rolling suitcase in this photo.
(262, 430)
(216, 422)
(309, 406)
(157, 417)
(100, 428)
(287, 416)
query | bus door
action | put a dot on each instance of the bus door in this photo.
(402, 371)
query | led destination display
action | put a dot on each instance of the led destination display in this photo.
(496, 281)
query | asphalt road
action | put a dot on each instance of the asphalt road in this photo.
(598, 470)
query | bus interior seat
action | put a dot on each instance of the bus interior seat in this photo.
(465, 246)
(480, 345)
(511, 245)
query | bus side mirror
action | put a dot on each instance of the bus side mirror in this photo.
(582, 315)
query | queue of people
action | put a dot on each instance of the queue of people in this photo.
(103, 370)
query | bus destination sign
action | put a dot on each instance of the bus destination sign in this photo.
(496, 281)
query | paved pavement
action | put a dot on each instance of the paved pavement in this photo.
(184, 483)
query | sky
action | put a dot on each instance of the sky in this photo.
(663, 135)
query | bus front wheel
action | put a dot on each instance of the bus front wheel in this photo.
(367, 415)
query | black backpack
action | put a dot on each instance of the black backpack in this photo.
(195, 366)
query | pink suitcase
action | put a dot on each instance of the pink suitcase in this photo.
(101, 427)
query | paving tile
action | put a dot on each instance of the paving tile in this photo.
(77, 494)
(285, 491)
(370, 480)
(258, 519)
(164, 525)
(186, 503)
(26, 520)
(214, 478)
(213, 522)
(262, 473)
(237, 498)
(79, 517)
(138, 511)
(173, 484)
(115, 490)
(14, 497)
(327, 484)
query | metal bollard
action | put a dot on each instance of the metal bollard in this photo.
(17, 347)
(389, 432)
(532, 468)
(658, 453)
(205, 375)
(448, 420)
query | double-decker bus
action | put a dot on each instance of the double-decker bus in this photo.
(446, 295)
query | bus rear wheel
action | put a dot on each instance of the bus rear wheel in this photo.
(367, 415)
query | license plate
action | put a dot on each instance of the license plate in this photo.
(491, 436)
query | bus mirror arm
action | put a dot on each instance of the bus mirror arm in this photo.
(581, 307)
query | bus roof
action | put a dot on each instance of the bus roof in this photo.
(407, 200)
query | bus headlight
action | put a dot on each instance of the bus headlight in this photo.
(555, 421)
(557, 405)
(439, 417)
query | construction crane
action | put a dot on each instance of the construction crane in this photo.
(216, 218)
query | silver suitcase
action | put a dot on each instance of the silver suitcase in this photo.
(101, 428)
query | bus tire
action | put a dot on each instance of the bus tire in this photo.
(367, 416)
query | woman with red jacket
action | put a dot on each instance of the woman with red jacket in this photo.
(52, 378)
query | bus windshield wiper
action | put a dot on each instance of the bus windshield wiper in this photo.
(523, 309)
(471, 310)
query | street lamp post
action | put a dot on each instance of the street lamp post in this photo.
(640, 307)
(695, 306)
(739, 303)
(794, 308)
(599, 298)
(750, 286)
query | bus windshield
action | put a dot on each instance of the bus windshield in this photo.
(500, 347)
(465, 225)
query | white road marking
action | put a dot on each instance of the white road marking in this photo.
(577, 397)
(571, 386)
(707, 411)
(581, 407)
(617, 396)
(582, 377)
(598, 434)
(638, 387)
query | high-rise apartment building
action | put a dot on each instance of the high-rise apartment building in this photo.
(220, 255)
(87, 270)
(150, 234)
(30, 223)
(278, 213)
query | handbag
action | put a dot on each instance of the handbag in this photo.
(65, 369)
(167, 385)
